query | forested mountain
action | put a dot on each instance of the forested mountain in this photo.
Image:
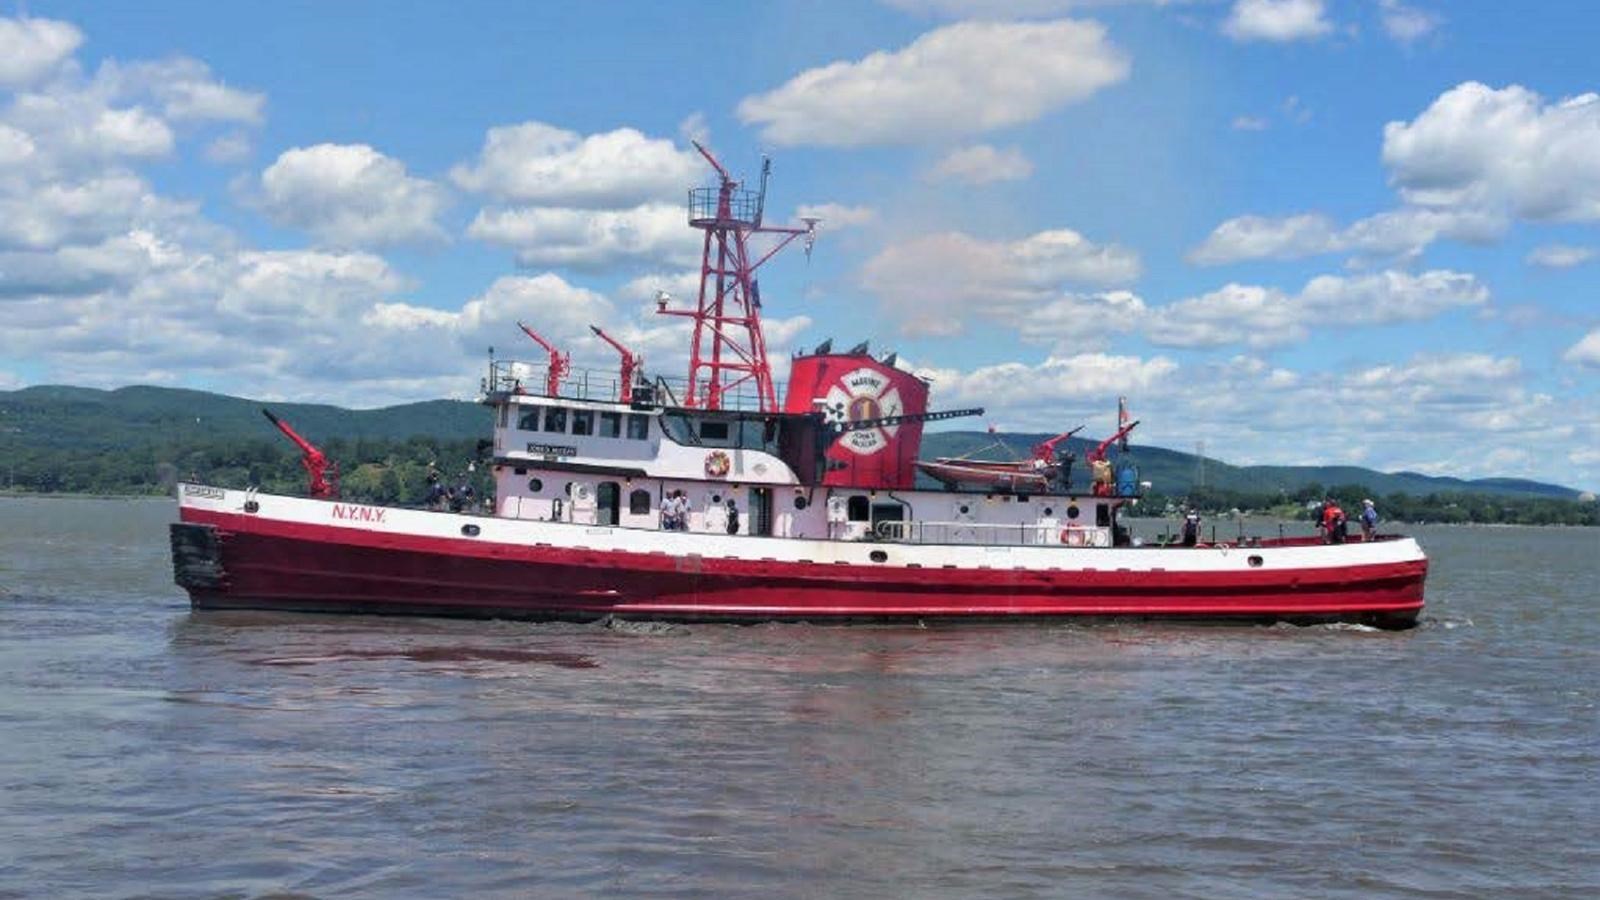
(138, 439)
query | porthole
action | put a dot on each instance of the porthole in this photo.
(800, 503)
(1255, 562)
(1072, 511)
(716, 499)
(470, 530)
(1048, 511)
(878, 556)
(535, 485)
(964, 509)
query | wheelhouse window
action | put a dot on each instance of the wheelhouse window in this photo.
(639, 502)
(583, 421)
(638, 426)
(528, 418)
(610, 424)
(555, 419)
(713, 431)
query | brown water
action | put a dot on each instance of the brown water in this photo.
(149, 751)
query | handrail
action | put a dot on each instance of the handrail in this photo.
(987, 534)
(507, 376)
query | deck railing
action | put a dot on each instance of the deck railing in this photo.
(985, 534)
(507, 376)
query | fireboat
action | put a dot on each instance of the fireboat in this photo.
(705, 499)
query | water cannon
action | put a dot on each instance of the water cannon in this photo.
(631, 363)
(318, 467)
(560, 363)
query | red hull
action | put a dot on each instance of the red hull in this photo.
(267, 564)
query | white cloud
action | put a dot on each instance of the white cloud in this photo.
(933, 283)
(1020, 391)
(1261, 317)
(1011, 9)
(1560, 256)
(42, 216)
(31, 48)
(1076, 322)
(1250, 123)
(965, 78)
(185, 90)
(683, 287)
(652, 234)
(1585, 352)
(77, 130)
(350, 195)
(1482, 148)
(1399, 233)
(1277, 20)
(1262, 237)
(982, 164)
(1407, 24)
(836, 215)
(303, 286)
(229, 148)
(540, 164)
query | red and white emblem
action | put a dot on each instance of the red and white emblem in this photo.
(861, 395)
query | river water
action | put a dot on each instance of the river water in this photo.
(146, 750)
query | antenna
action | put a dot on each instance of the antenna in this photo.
(761, 196)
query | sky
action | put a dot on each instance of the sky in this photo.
(1293, 231)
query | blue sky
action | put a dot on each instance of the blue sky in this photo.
(1298, 230)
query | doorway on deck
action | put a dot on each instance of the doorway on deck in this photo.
(761, 511)
(608, 503)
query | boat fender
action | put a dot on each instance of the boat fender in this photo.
(717, 464)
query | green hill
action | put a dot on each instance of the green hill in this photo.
(61, 438)
(60, 416)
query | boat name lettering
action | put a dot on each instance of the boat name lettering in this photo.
(552, 450)
(358, 513)
(200, 490)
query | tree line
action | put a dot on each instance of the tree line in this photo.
(371, 470)
(1446, 507)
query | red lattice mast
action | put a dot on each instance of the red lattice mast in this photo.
(729, 351)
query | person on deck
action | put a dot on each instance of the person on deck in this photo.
(673, 512)
(1191, 529)
(1369, 520)
(1333, 523)
(733, 517)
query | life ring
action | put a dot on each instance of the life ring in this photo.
(1074, 537)
(717, 464)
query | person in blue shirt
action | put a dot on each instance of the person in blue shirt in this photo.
(1369, 520)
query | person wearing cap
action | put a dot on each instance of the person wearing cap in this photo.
(1369, 520)
(1191, 529)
